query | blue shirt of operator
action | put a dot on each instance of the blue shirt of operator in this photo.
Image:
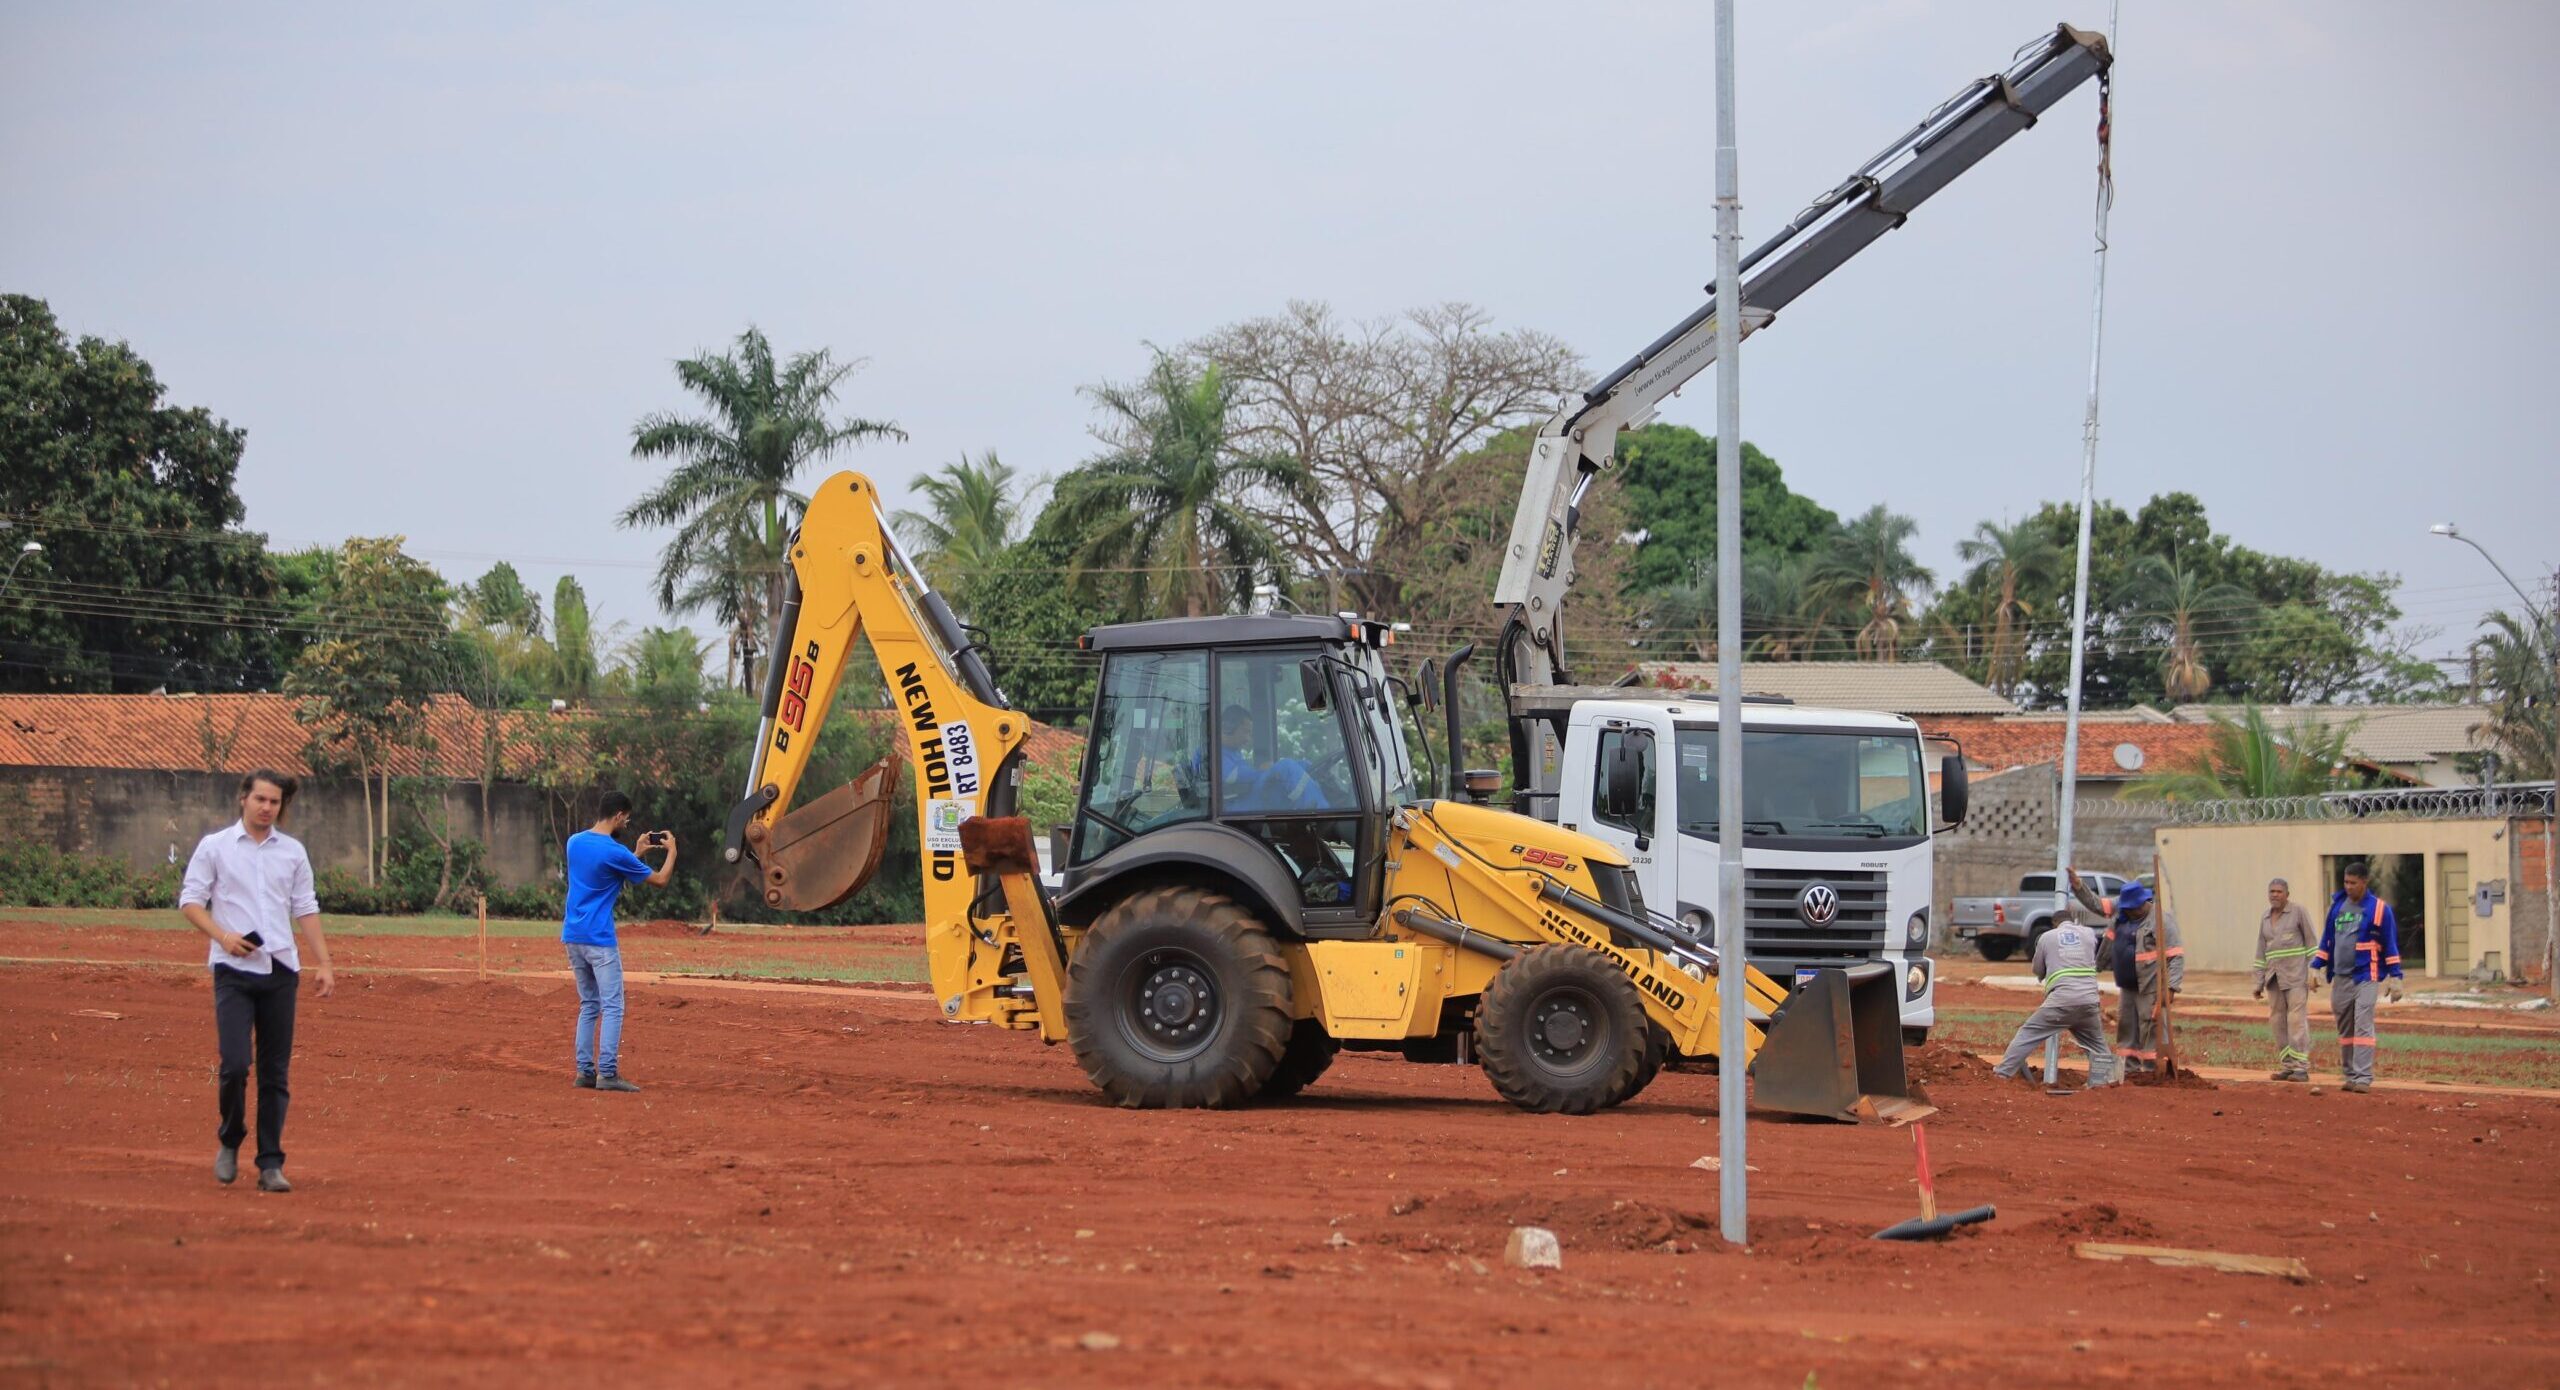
(598, 868)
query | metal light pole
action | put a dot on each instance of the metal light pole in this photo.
(2070, 793)
(30, 548)
(1732, 1123)
(2551, 837)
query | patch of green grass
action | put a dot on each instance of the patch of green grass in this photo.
(2502, 1059)
(906, 968)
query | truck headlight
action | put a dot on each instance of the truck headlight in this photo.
(1915, 933)
(1915, 981)
(1700, 926)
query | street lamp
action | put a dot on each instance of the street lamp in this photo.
(30, 548)
(2551, 838)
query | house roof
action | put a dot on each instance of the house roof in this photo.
(1895, 687)
(240, 733)
(1998, 745)
(2380, 733)
(226, 733)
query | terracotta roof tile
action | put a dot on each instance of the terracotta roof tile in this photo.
(1998, 745)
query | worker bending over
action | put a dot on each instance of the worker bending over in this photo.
(2142, 939)
(2359, 951)
(2285, 944)
(2066, 959)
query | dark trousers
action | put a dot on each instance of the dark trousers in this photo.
(243, 1005)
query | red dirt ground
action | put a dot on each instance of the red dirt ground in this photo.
(829, 1186)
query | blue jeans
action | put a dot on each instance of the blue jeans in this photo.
(599, 973)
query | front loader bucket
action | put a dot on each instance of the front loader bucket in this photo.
(823, 852)
(1835, 1050)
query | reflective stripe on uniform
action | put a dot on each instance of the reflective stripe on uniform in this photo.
(2175, 951)
(2358, 1042)
(2287, 953)
(2075, 973)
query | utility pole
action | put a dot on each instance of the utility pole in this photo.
(1732, 946)
(2070, 793)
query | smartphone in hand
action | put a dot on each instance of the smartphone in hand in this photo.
(256, 942)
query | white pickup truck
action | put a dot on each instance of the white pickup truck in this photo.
(1999, 926)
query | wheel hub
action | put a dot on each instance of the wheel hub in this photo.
(1177, 1003)
(1565, 1028)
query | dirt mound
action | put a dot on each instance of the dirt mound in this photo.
(1583, 1219)
(1943, 1062)
(2094, 1221)
(2184, 1081)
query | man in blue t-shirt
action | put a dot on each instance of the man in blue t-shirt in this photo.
(598, 868)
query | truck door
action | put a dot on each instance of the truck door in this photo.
(1640, 824)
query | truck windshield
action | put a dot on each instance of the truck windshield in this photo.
(1810, 785)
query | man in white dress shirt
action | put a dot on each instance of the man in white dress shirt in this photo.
(248, 887)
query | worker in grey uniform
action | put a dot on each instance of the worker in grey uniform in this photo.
(2066, 959)
(2285, 943)
(2141, 939)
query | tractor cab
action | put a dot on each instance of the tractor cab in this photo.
(1263, 750)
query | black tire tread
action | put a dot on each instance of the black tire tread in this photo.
(1504, 1052)
(1258, 1017)
(1310, 1051)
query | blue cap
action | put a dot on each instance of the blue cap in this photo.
(2131, 896)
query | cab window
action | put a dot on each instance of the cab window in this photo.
(1151, 759)
(1274, 755)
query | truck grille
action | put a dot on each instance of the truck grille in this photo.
(1776, 938)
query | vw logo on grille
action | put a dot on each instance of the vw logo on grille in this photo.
(1818, 904)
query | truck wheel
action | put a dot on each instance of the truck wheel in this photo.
(2035, 933)
(1178, 998)
(1310, 1051)
(1561, 1031)
(1657, 1051)
(1996, 947)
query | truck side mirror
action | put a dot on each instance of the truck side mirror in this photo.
(1426, 685)
(1313, 684)
(1953, 791)
(1623, 793)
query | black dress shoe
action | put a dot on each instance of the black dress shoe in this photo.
(586, 1081)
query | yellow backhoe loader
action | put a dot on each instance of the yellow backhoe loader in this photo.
(1253, 881)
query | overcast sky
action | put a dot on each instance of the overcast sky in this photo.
(437, 259)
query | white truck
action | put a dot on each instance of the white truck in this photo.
(1836, 809)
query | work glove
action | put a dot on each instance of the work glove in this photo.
(2394, 991)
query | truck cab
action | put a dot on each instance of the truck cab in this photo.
(1837, 822)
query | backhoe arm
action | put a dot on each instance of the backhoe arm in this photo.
(849, 580)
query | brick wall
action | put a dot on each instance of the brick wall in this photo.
(2528, 903)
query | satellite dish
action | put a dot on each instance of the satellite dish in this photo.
(2129, 757)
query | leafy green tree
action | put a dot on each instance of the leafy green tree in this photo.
(1166, 506)
(2251, 759)
(1788, 612)
(1667, 474)
(1867, 568)
(972, 512)
(2009, 565)
(144, 580)
(730, 492)
(499, 599)
(1032, 618)
(2512, 672)
(363, 685)
(665, 668)
(2174, 598)
(573, 641)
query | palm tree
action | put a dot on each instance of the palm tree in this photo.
(2250, 760)
(2008, 561)
(2512, 672)
(1685, 613)
(1869, 568)
(730, 491)
(2177, 595)
(972, 512)
(1784, 597)
(1168, 500)
(664, 667)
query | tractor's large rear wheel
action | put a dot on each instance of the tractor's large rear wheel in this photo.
(1562, 1031)
(1178, 998)
(1311, 1049)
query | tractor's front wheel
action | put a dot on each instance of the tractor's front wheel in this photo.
(1311, 1050)
(1562, 1031)
(1178, 998)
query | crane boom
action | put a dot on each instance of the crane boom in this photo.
(1581, 440)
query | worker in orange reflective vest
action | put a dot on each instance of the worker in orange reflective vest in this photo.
(2142, 941)
(2360, 953)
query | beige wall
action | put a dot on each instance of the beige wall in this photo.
(2217, 881)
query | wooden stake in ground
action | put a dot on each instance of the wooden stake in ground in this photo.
(2160, 933)
(484, 935)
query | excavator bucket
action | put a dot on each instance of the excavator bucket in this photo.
(1835, 1050)
(823, 852)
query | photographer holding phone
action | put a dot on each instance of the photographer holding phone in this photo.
(248, 886)
(599, 867)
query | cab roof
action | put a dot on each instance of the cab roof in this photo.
(1234, 630)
